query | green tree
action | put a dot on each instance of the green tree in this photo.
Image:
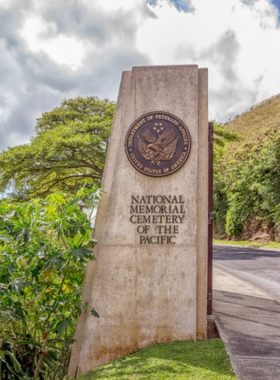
(247, 184)
(223, 139)
(44, 247)
(68, 151)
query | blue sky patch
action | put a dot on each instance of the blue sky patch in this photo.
(181, 5)
(276, 3)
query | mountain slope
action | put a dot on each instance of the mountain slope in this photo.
(257, 119)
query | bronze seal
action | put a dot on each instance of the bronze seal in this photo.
(157, 144)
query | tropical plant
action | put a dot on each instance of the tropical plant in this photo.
(44, 247)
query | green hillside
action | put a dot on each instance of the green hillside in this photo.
(246, 175)
(257, 119)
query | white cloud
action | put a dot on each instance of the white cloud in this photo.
(236, 41)
(56, 49)
(42, 37)
(114, 5)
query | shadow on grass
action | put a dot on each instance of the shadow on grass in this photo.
(176, 360)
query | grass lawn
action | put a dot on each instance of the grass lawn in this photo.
(271, 244)
(179, 360)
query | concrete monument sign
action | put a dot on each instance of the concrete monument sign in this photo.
(149, 281)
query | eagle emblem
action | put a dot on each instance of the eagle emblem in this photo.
(157, 149)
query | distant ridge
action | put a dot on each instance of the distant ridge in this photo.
(257, 119)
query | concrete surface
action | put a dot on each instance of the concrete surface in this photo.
(147, 293)
(202, 205)
(258, 266)
(248, 320)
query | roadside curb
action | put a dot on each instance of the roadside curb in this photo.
(224, 338)
(246, 246)
(246, 314)
(215, 318)
(233, 274)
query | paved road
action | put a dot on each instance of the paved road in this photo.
(249, 324)
(248, 319)
(257, 266)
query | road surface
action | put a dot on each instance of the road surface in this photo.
(256, 266)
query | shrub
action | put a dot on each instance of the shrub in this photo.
(44, 247)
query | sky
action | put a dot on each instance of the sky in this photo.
(60, 49)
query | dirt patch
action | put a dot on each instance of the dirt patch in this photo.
(254, 230)
(212, 332)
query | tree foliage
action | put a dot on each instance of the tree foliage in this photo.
(223, 138)
(69, 150)
(44, 247)
(247, 184)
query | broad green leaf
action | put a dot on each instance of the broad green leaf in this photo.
(94, 313)
(82, 253)
(18, 284)
(61, 326)
(54, 262)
